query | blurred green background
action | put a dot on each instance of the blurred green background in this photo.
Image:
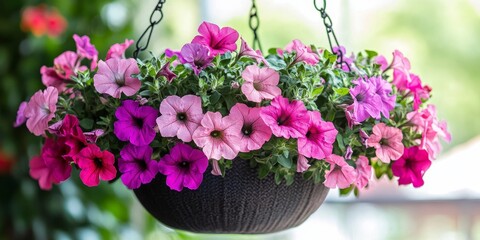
(439, 37)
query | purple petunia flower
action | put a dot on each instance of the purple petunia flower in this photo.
(135, 123)
(366, 103)
(196, 55)
(384, 89)
(136, 165)
(184, 167)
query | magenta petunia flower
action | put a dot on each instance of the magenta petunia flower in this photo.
(136, 165)
(366, 103)
(96, 165)
(114, 77)
(364, 172)
(69, 130)
(318, 141)
(303, 52)
(50, 78)
(411, 167)
(425, 121)
(135, 123)
(302, 163)
(260, 83)
(218, 136)
(180, 117)
(117, 50)
(340, 174)
(53, 155)
(384, 90)
(42, 173)
(40, 110)
(86, 50)
(20, 119)
(286, 119)
(218, 40)
(387, 141)
(247, 51)
(184, 167)
(254, 133)
(197, 56)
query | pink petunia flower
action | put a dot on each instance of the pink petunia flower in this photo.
(86, 50)
(318, 141)
(247, 51)
(411, 167)
(40, 110)
(166, 72)
(20, 119)
(347, 61)
(303, 53)
(92, 136)
(114, 77)
(96, 165)
(260, 83)
(387, 141)
(366, 103)
(364, 172)
(218, 136)
(286, 119)
(39, 171)
(117, 50)
(136, 165)
(254, 133)
(135, 123)
(382, 61)
(180, 117)
(218, 40)
(302, 163)
(184, 167)
(65, 66)
(425, 121)
(340, 174)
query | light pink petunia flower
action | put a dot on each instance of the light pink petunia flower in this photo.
(20, 115)
(247, 51)
(218, 40)
(180, 117)
(364, 172)
(117, 50)
(218, 136)
(260, 83)
(318, 141)
(114, 77)
(254, 132)
(340, 174)
(387, 141)
(302, 163)
(40, 110)
(303, 52)
(286, 119)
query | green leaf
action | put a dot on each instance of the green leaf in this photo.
(317, 91)
(284, 161)
(263, 171)
(289, 178)
(86, 123)
(278, 178)
(342, 91)
(215, 97)
(371, 53)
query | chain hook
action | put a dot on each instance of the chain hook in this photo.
(149, 30)
(254, 23)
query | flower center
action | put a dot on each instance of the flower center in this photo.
(257, 86)
(360, 97)
(98, 162)
(141, 164)
(119, 79)
(247, 130)
(282, 120)
(184, 164)
(138, 122)
(216, 134)
(182, 116)
(383, 141)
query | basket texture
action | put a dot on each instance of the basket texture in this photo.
(237, 203)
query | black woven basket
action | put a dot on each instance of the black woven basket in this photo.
(237, 203)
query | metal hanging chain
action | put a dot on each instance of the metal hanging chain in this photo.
(155, 18)
(327, 21)
(254, 23)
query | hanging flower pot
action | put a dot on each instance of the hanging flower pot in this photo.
(236, 203)
(220, 138)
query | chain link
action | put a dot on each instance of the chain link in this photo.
(254, 23)
(155, 18)
(327, 22)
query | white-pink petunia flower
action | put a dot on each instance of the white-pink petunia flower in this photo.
(218, 136)
(260, 83)
(40, 110)
(254, 132)
(364, 172)
(114, 77)
(387, 141)
(340, 174)
(180, 117)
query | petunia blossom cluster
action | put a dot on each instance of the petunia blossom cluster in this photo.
(193, 111)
